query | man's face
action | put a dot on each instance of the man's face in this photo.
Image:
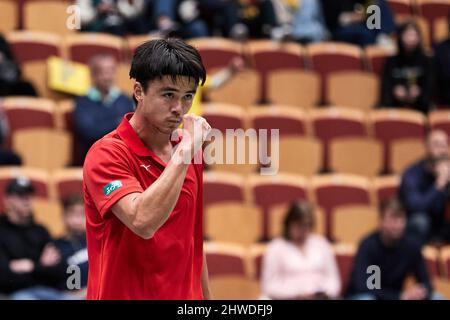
(166, 102)
(103, 74)
(75, 219)
(392, 225)
(18, 207)
(437, 145)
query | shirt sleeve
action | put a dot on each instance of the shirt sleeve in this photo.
(108, 175)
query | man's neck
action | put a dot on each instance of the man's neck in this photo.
(154, 140)
(388, 242)
(17, 220)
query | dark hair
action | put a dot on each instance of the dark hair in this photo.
(166, 57)
(72, 200)
(394, 205)
(401, 48)
(298, 213)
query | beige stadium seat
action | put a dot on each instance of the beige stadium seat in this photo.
(51, 16)
(363, 156)
(300, 155)
(385, 187)
(123, 80)
(405, 152)
(8, 15)
(352, 223)
(441, 28)
(294, 87)
(353, 89)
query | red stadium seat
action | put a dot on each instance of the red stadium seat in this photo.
(288, 120)
(256, 252)
(223, 187)
(332, 57)
(385, 187)
(332, 123)
(393, 124)
(82, 47)
(33, 45)
(345, 254)
(268, 56)
(335, 190)
(224, 116)
(440, 119)
(431, 255)
(432, 10)
(376, 57)
(402, 9)
(267, 192)
(216, 52)
(67, 182)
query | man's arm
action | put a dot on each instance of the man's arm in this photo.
(205, 280)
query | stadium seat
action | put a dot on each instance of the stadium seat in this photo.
(442, 286)
(256, 253)
(358, 155)
(26, 113)
(268, 56)
(352, 223)
(440, 30)
(224, 187)
(45, 210)
(216, 52)
(445, 261)
(228, 267)
(293, 87)
(241, 89)
(385, 187)
(67, 182)
(426, 31)
(405, 152)
(440, 119)
(331, 57)
(300, 155)
(51, 16)
(134, 41)
(233, 222)
(290, 121)
(376, 56)
(223, 116)
(336, 122)
(402, 9)
(431, 255)
(353, 89)
(431, 10)
(394, 124)
(345, 254)
(278, 214)
(83, 46)
(334, 190)
(33, 45)
(123, 80)
(267, 192)
(8, 16)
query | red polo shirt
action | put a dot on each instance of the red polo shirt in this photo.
(123, 265)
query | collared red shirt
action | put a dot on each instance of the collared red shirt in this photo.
(123, 265)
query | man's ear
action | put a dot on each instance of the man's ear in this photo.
(138, 91)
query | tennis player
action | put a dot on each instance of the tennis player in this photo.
(143, 199)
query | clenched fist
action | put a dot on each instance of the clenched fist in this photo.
(195, 131)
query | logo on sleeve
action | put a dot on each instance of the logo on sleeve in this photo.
(110, 187)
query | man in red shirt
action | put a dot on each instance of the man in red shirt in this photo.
(143, 199)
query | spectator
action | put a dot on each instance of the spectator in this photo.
(30, 265)
(395, 257)
(11, 82)
(119, 17)
(7, 157)
(300, 265)
(442, 67)
(73, 246)
(424, 190)
(104, 106)
(352, 18)
(407, 76)
(181, 17)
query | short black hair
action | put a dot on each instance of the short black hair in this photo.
(166, 57)
(299, 212)
(394, 205)
(72, 200)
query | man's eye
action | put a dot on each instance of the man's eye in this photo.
(168, 95)
(189, 97)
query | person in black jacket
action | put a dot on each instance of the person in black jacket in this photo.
(30, 265)
(386, 258)
(407, 77)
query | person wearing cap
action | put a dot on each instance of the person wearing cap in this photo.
(30, 266)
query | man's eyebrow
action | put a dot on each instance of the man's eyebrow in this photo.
(169, 89)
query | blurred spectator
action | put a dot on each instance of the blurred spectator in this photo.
(180, 17)
(424, 191)
(407, 77)
(442, 67)
(7, 157)
(73, 246)
(395, 256)
(104, 106)
(30, 265)
(350, 21)
(119, 17)
(303, 21)
(300, 265)
(11, 82)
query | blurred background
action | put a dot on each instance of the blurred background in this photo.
(354, 105)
